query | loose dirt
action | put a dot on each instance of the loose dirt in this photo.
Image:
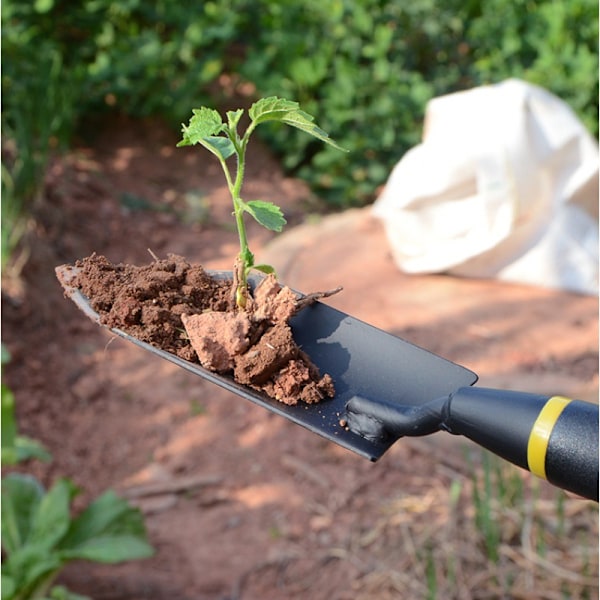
(242, 504)
(183, 310)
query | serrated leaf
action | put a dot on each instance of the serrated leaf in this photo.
(303, 121)
(288, 112)
(205, 122)
(272, 108)
(269, 215)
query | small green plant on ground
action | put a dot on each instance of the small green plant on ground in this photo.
(207, 128)
(15, 447)
(499, 532)
(511, 516)
(39, 534)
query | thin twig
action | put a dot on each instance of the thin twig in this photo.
(153, 255)
(312, 298)
(170, 486)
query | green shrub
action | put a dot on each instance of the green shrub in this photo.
(551, 44)
(65, 60)
(368, 66)
(39, 98)
(135, 56)
(371, 66)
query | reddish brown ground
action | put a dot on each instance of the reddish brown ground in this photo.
(239, 502)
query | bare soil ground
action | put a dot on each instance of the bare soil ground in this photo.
(240, 503)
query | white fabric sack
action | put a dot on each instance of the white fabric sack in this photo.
(504, 184)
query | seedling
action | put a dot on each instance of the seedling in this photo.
(207, 127)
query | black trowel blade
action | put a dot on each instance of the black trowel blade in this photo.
(361, 359)
(368, 362)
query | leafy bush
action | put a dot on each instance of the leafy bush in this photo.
(65, 60)
(38, 104)
(135, 56)
(551, 44)
(365, 68)
(371, 66)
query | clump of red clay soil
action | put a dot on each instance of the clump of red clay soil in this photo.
(182, 309)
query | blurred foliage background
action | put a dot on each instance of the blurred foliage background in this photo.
(365, 68)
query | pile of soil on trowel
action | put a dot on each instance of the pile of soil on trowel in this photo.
(180, 308)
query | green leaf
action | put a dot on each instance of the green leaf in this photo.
(301, 120)
(108, 514)
(8, 587)
(288, 112)
(4, 354)
(233, 118)
(271, 109)
(43, 6)
(32, 567)
(205, 122)
(220, 146)
(8, 426)
(21, 496)
(16, 448)
(27, 448)
(110, 549)
(267, 214)
(204, 128)
(268, 269)
(9, 456)
(53, 515)
(60, 592)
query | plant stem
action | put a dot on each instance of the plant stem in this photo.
(246, 259)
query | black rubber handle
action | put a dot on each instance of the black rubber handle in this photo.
(555, 438)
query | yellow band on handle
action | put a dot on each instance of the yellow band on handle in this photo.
(540, 434)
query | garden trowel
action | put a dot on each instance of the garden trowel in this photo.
(387, 388)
